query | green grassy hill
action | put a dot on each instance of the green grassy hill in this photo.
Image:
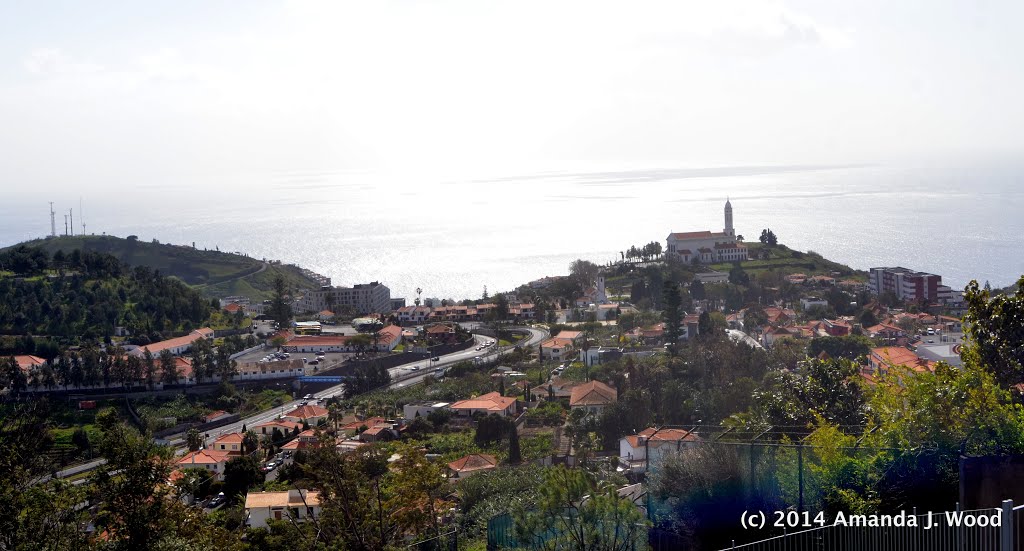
(213, 273)
(790, 261)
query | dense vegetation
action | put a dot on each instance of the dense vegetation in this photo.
(85, 295)
(211, 272)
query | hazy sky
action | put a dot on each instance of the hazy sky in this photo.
(108, 94)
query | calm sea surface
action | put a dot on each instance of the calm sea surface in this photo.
(452, 235)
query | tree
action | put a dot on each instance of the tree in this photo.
(194, 439)
(34, 513)
(131, 488)
(169, 373)
(367, 506)
(240, 474)
(574, 511)
(850, 347)
(280, 310)
(996, 326)
(149, 369)
(738, 276)
(704, 325)
(226, 367)
(250, 441)
(697, 291)
(868, 319)
(583, 273)
(672, 314)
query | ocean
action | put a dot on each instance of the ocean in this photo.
(453, 234)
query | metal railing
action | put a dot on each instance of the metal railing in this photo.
(997, 529)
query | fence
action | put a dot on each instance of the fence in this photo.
(995, 529)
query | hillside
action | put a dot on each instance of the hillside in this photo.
(212, 273)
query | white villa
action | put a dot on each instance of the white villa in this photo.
(708, 247)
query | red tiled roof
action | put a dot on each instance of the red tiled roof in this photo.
(230, 438)
(318, 340)
(307, 412)
(214, 414)
(281, 424)
(492, 401)
(27, 362)
(232, 307)
(474, 462)
(695, 235)
(594, 393)
(157, 347)
(389, 334)
(654, 435)
(203, 457)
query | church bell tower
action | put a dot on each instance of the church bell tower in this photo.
(728, 220)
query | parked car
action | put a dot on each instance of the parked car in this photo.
(217, 501)
(307, 397)
(435, 359)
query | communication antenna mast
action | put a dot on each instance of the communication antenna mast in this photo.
(53, 221)
(71, 213)
(65, 225)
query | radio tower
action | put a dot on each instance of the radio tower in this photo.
(53, 221)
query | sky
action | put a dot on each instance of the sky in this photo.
(106, 95)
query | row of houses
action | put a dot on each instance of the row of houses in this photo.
(458, 313)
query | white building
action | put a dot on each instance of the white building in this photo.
(708, 247)
(422, 409)
(297, 505)
(654, 444)
(366, 298)
(910, 285)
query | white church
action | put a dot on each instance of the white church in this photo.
(708, 247)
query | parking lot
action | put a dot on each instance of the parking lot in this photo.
(314, 363)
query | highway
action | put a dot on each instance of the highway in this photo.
(402, 375)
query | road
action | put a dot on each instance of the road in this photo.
(402, 375)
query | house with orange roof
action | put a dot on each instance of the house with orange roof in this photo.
(230, 443)
(440, 333)
(837, 327)
(306, 439)
(885, 358)
(470, 465)
(885, 331)
(215, 416)
(774, 334)
(176, 346)
(309, 413)
(291, 505)
(378, 433)
(651, 334)
(27, 363)
(354, 426)
(388, 338)
(211, 460)
(233, 307)
(655, 444)
(557, 349)
(592, 396)
(489, 403)
(286, 427)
